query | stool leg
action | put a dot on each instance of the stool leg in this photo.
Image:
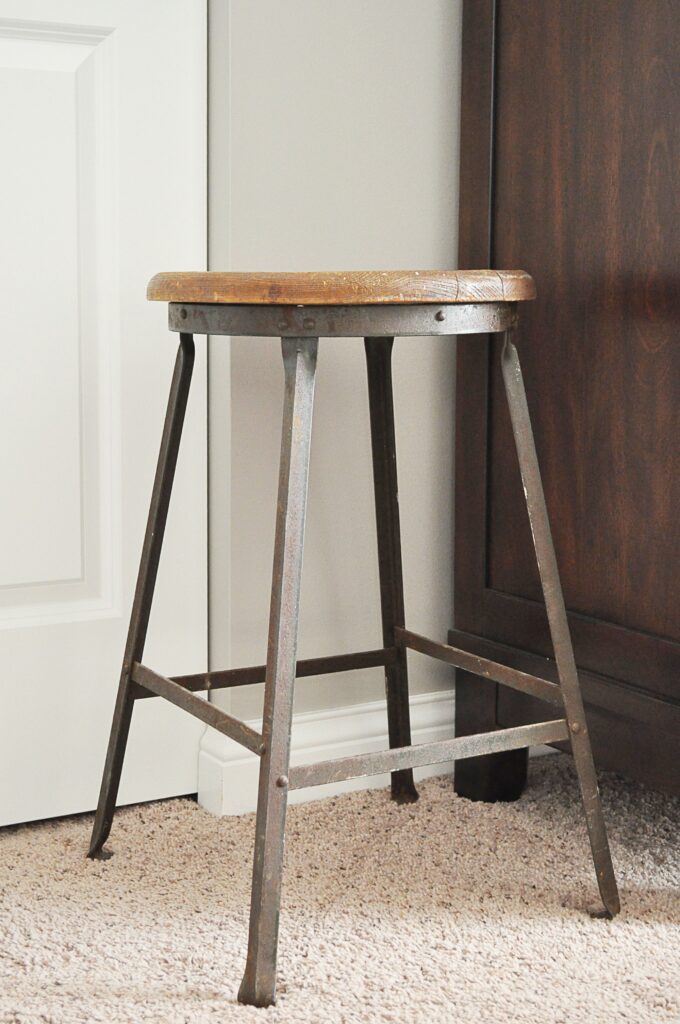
(559, 627)
(146, 581)
(381, 406)
(259, 981)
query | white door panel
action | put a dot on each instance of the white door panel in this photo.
(102, 183)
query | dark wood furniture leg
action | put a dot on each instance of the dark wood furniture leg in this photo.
(492, 777)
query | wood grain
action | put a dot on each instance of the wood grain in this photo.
(498, 776)
(343, 288)
(591, 207)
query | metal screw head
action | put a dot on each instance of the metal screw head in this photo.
(262, 749)
(282, 781)
(575, 726)
(183, 313)
(308, 323)
(440, 315)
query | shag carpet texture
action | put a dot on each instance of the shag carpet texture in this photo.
(441, 912)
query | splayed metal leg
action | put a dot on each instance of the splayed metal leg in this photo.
(381, 406)
(146, 581)
(559, 627)
(259, 981)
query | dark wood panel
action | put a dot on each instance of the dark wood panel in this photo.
(570, 141)
(623, 745)
(499, 777)
(587, 152)
(602, 693)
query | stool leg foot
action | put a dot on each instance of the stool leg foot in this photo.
(383, 447)
(146, 581)
(559, 627)
(259, 981)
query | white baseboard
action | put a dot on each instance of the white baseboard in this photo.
(228, 775)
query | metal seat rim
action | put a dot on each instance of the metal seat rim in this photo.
(359, 321)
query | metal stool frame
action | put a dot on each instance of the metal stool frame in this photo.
(300, 329)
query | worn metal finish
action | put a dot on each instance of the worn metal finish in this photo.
(384, 453)
(342, 321)
(381, 761)
(218, 679)
(146, 581)
(537, 687)
(300, 327)
(559, 627)
(213, 716)
(259, 981)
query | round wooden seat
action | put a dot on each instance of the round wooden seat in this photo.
(343, 288)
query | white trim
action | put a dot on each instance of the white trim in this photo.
(227, 774)
(53, 32)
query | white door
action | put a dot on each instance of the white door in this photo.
(102, 183)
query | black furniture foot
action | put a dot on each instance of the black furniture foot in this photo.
(492, 778)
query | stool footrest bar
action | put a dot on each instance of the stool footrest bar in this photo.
(222, 678)
(478, 666)
(173, 691)
(427, 753)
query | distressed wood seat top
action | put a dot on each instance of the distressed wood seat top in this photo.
(343, 288)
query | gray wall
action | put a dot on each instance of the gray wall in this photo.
(333, 145)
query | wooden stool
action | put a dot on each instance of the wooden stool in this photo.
(300, 308)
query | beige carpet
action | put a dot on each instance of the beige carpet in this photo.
(444, 911)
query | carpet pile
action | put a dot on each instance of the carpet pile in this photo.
(441, 912)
